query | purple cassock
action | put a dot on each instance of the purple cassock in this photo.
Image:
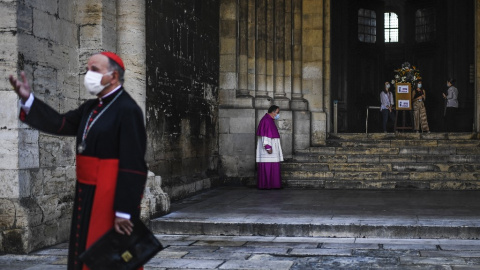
(268, 165)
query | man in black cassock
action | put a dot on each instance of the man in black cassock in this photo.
(111, 144)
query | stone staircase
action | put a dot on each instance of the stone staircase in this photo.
(358, 185)
(387, 161)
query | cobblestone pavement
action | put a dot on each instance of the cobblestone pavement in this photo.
(256, 252)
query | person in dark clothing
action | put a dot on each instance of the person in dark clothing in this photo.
(111, 144)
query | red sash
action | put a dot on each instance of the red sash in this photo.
(103, 174)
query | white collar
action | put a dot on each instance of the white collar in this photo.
(111, 92)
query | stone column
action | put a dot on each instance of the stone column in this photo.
(288, 47)
(262, 100)
(251, 46)
(242, 48)
(37, 170)
(477, 69)
(313, 67)
(299, 105)
(279, 26)
(228, 53)
(298, 102)
(270, 46)
(236, 113)
(9, 134)
(97, 26)
(327, 102)
(243, 97)
(131, 47)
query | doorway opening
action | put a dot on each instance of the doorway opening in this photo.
(372, 38)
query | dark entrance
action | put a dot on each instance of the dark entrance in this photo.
(435, 36)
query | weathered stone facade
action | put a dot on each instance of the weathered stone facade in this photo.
(272, 52)
(182, 90)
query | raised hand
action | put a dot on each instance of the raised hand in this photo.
(22, 88)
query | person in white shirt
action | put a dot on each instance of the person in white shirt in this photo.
(387, 106)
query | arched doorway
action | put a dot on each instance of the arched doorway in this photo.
(437, 37)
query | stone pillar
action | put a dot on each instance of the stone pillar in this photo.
(301, 115)
(97, 26)
(9, 134)
(131, 47)
(477, 69)
(243, 97)
(279, 26)
(236, 113)
(242, 48)
(251, 47)
(237, 143)
(327, 102)
(298, 102)
(313, 67)
(270, 45)
(228, 53)
(37, 171)
(262, 100)
(288, 17)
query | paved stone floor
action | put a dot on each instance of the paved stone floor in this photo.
(402, 213)
(198, 251)
(253, 252)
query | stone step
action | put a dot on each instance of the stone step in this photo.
(444, 150)
(400, 158)
(317, 228)
(381, 167)
(404, 143)
(435, 160)
(380, 184)
(409, 136)
(377, 175)
(313, 212)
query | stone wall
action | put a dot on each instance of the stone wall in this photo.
(182, 90)
(37, 172)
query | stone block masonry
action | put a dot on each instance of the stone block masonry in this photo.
(182, 90)
(37, 172)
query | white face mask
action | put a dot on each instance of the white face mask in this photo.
(419, 85)
(277, 117)
(387, 86)
(93, 82)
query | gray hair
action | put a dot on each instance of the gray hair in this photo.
(113, 66)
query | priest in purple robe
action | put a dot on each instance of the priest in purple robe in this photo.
(269, 151)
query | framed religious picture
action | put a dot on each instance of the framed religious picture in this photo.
(403, 96)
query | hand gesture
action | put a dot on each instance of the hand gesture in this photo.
(22, 88)
(269, 150)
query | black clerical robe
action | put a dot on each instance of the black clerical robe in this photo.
(111, 171)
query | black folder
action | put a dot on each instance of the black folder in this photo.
(122, 252)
